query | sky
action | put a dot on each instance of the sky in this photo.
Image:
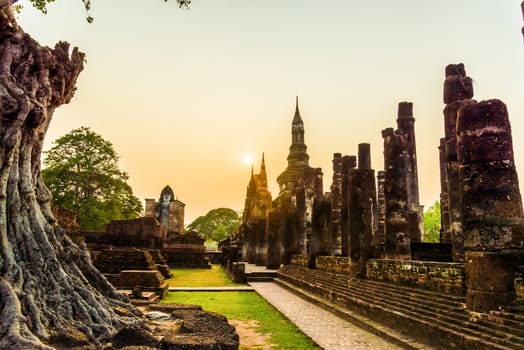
(186, 95)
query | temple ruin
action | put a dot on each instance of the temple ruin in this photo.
(360, 245)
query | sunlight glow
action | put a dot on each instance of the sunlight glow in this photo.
(248, 159)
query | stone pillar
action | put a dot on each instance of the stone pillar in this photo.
(364, 156)
(261, 243)
(381, 204)
(336, 205)
(348, 163)
(445, 230)
(493, 224)
(397, 224)
(301, 229)
(522, 8)
(252, 244)
(458, 91)
(361, 211)
(320, 234)
(273, 243)
(406, 128)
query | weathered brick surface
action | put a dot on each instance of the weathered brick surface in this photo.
(299, 260)
(113, 261)
(443, 277)
(336, 264)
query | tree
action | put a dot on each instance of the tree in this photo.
(432, 224)
(217, 225)
(81, 171)
(49, 289)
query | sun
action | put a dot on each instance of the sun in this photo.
(248, 159)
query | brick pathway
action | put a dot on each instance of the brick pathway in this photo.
(326, 329)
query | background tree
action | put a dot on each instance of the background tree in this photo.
(432, 224)
(217, 225)
(81, 171)
(50, 293)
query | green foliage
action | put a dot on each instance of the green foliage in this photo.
(81, 171)
(432, 224)
(217, 225)
(42, 6)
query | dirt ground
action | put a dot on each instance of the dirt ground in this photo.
(249, 337)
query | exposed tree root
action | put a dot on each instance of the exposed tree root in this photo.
(48, 286)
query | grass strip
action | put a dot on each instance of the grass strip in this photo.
(214, 277)
(246, 306)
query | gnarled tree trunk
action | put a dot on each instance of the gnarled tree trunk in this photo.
(48, 286)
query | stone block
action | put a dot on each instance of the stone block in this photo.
(489, 271)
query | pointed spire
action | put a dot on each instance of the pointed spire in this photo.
(263, 175)
(297, 118)
(263, 165)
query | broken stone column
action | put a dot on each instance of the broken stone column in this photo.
(406, 129)
(273, 243)
(397, 224)
(522, 8)
(362, 206)
(336, 205)
(381, 203)
(348, 163)
(261, 243)
(364, 156)
(458, 91)
(320, 243)
(252, 243)
(445, 230)
(492, 216)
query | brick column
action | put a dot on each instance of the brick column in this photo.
(361, 210)
(348, 163)
(336, 205)
(397, 223)
(273, 243)
(458, 91)
(493, 224)
(445, 230)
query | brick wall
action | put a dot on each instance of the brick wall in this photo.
(299, 260)
(439, 276)
(336, 264)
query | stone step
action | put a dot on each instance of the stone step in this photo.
(411, 295)
(419, 329)
(384, 298)
(455, 316)
(258, 279)
(484, 324)
(363, 322)
(431, 308)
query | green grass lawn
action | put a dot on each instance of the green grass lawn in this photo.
(214, 277)
(243, 306)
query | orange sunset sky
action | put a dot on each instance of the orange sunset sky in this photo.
(186, 95)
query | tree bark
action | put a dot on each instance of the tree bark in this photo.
(48, 286)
